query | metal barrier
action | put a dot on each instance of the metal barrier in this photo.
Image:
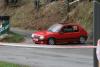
(4, 26)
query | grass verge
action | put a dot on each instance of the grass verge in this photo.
(6, 64)
(13, 38)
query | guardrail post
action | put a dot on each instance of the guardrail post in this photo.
(96, 30)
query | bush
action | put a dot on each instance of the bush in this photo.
(13, 37)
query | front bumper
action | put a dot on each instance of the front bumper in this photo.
(37, 41)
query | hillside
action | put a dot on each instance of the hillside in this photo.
(25, 16)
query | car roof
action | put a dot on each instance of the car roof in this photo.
(70, 24)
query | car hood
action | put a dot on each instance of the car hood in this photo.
(42, 33)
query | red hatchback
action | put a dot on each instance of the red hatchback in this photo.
(61, 33)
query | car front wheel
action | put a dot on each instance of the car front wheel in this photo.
(51, 41)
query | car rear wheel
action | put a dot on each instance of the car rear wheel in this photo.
(51, 41)
(82, 40)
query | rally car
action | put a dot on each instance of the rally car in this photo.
(61, 33)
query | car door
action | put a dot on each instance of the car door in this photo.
(70, 33)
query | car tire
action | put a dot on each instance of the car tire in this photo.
(51, 41)
(82, 40)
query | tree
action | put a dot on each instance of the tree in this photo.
(37, 4)
(67, 9)
(11, 1)
(66, 4)
(49, 1)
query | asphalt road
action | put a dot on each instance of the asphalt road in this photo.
(43, 57)
(25, 33)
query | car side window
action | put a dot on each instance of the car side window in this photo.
(68, 29)
(75, 29)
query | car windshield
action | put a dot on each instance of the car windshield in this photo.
(55, 28)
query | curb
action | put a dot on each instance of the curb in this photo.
(44, 46)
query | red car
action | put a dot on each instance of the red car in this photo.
(61, 33)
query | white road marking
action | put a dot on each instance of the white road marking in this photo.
(44, 46)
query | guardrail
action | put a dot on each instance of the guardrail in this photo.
(4, 26)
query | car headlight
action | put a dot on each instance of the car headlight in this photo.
(41, 37)
(32, 35)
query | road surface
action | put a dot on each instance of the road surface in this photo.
(43, 57)
(25, 33)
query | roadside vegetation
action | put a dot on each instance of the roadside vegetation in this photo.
(6, 64)
(27, 17)
(13, 38)
(52, 13)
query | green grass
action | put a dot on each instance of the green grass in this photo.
(6, 64)
(13, 38)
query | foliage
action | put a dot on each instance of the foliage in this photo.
(5, 64)
(13, 37)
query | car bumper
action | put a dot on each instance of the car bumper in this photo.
(37, 41)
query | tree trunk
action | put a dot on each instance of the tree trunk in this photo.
(2, 3)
